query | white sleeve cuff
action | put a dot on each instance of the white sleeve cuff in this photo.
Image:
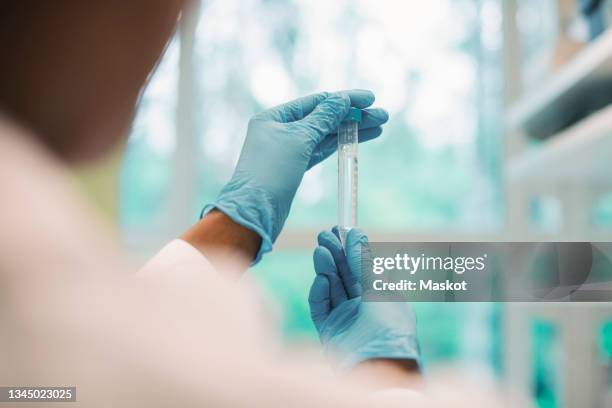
(178, 259)
(398, 397)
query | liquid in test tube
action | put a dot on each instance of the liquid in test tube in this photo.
(347, 172)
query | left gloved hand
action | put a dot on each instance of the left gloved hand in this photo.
(281, 144)
(350, 329)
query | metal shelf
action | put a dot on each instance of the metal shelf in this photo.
(581, 153)
(546, 107)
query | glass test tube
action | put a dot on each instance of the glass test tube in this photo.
(347, 172)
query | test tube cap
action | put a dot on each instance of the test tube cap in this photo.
(354, 115)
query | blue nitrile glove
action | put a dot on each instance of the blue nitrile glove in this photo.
(281, 144)
(351, 330)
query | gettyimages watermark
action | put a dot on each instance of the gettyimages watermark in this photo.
(487, 272)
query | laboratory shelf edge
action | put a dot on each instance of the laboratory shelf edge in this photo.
(591, 63)
(582, 152)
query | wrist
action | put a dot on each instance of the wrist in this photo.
(388, 373)
(223, 241)
(254, 208)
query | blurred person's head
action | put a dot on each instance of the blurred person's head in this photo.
(73, 70)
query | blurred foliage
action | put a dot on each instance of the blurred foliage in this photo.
(546, 358)
(285, 277)
(605, 341)
(435, 67)
(602, 214)
(147, 162)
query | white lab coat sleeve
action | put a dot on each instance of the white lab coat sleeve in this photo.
(179, 260)
(398, 396)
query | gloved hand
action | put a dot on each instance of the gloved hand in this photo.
(281, 144)
(350, 330)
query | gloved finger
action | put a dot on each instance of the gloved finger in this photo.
(369, 134)
(299, 108)
(332, 242)
(326, 116)
(349, 279)
(295, 109)
(336, 232)
(319, 300)
(369, 129)
(324, 265)
(330, 145)
(360, 98)
(372, 117)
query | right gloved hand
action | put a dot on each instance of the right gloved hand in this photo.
(353, 331)
(281, 144)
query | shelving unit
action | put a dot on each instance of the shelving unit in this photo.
(582, 153)
(574, 164)
(589, 68)
(549, 153)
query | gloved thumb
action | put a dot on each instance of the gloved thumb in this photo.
(319, 300)
(327, 115)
